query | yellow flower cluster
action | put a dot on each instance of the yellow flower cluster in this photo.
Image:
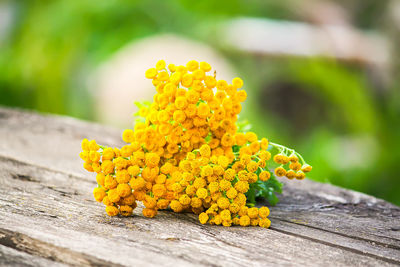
(187, 154)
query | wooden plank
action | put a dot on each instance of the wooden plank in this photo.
(42, 182)
(44, 253)
(66, 217)
(12, 257)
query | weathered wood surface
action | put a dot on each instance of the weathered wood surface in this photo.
(49, 217)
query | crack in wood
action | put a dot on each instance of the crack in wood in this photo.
(23, 177)
(342, 234)
(363, 253)
(48, 251)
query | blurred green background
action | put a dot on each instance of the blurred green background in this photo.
(340, 110)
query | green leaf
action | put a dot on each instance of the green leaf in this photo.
(251, 195)
(266, 190)
(235, 148)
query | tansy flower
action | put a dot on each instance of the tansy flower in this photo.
(113, 195)
(184, 199)
(221, 85)
(203, 110)
(225, 185)
(172, 67)
(223, 161)
(245, 159)
(223, 203)
(264, 155)
(242, 186)
(112, 211)
(192, 65)
(203, 218)
(151, 73)
(213, 187)
(237, 83)
(198, 74)
(100, 177)
(234, 208)
(210, 81)
(205, 66)
(244, 220)
(206, 171)
(240, 139)
(231, 193)
(106, 201)
(202, 193)
(252, 177)
(123, 176)
(227, 140)
(160, 65)
(163, 76)
(290, 174)
(251, 137)
(190, 190)
(205, 151)
(225, 215)
(217, 219)
(129, 200)
(124, 190)
(149, 202)
(280, 172)
(241, 95)
(236, 108)
(263, 212)
(252, 166)
(300, 175)
(252, 213)
(84, 155)
(137, 183)
(126, 151)
(220, 95)
(180, 102)
(149, 213)
(152, 159)
(229, 174)
(162, 204)
(179, 116)
(254, 222)
(293, 158)
(242, 175)
(196, 202)
(163, 116)
(255, 147)
(281, 159)
(265, 223)
(264, 176)
(306, 168)
(85, 144)
(125, 210)
(176, 206)
(187, 80)
(134, 170)
(110, 182)
(128, 136)
(99, 194)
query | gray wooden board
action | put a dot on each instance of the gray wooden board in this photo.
(48, 214)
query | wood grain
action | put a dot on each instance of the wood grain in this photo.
(48, 214)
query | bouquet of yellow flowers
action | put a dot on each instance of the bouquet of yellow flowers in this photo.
(187, 152)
